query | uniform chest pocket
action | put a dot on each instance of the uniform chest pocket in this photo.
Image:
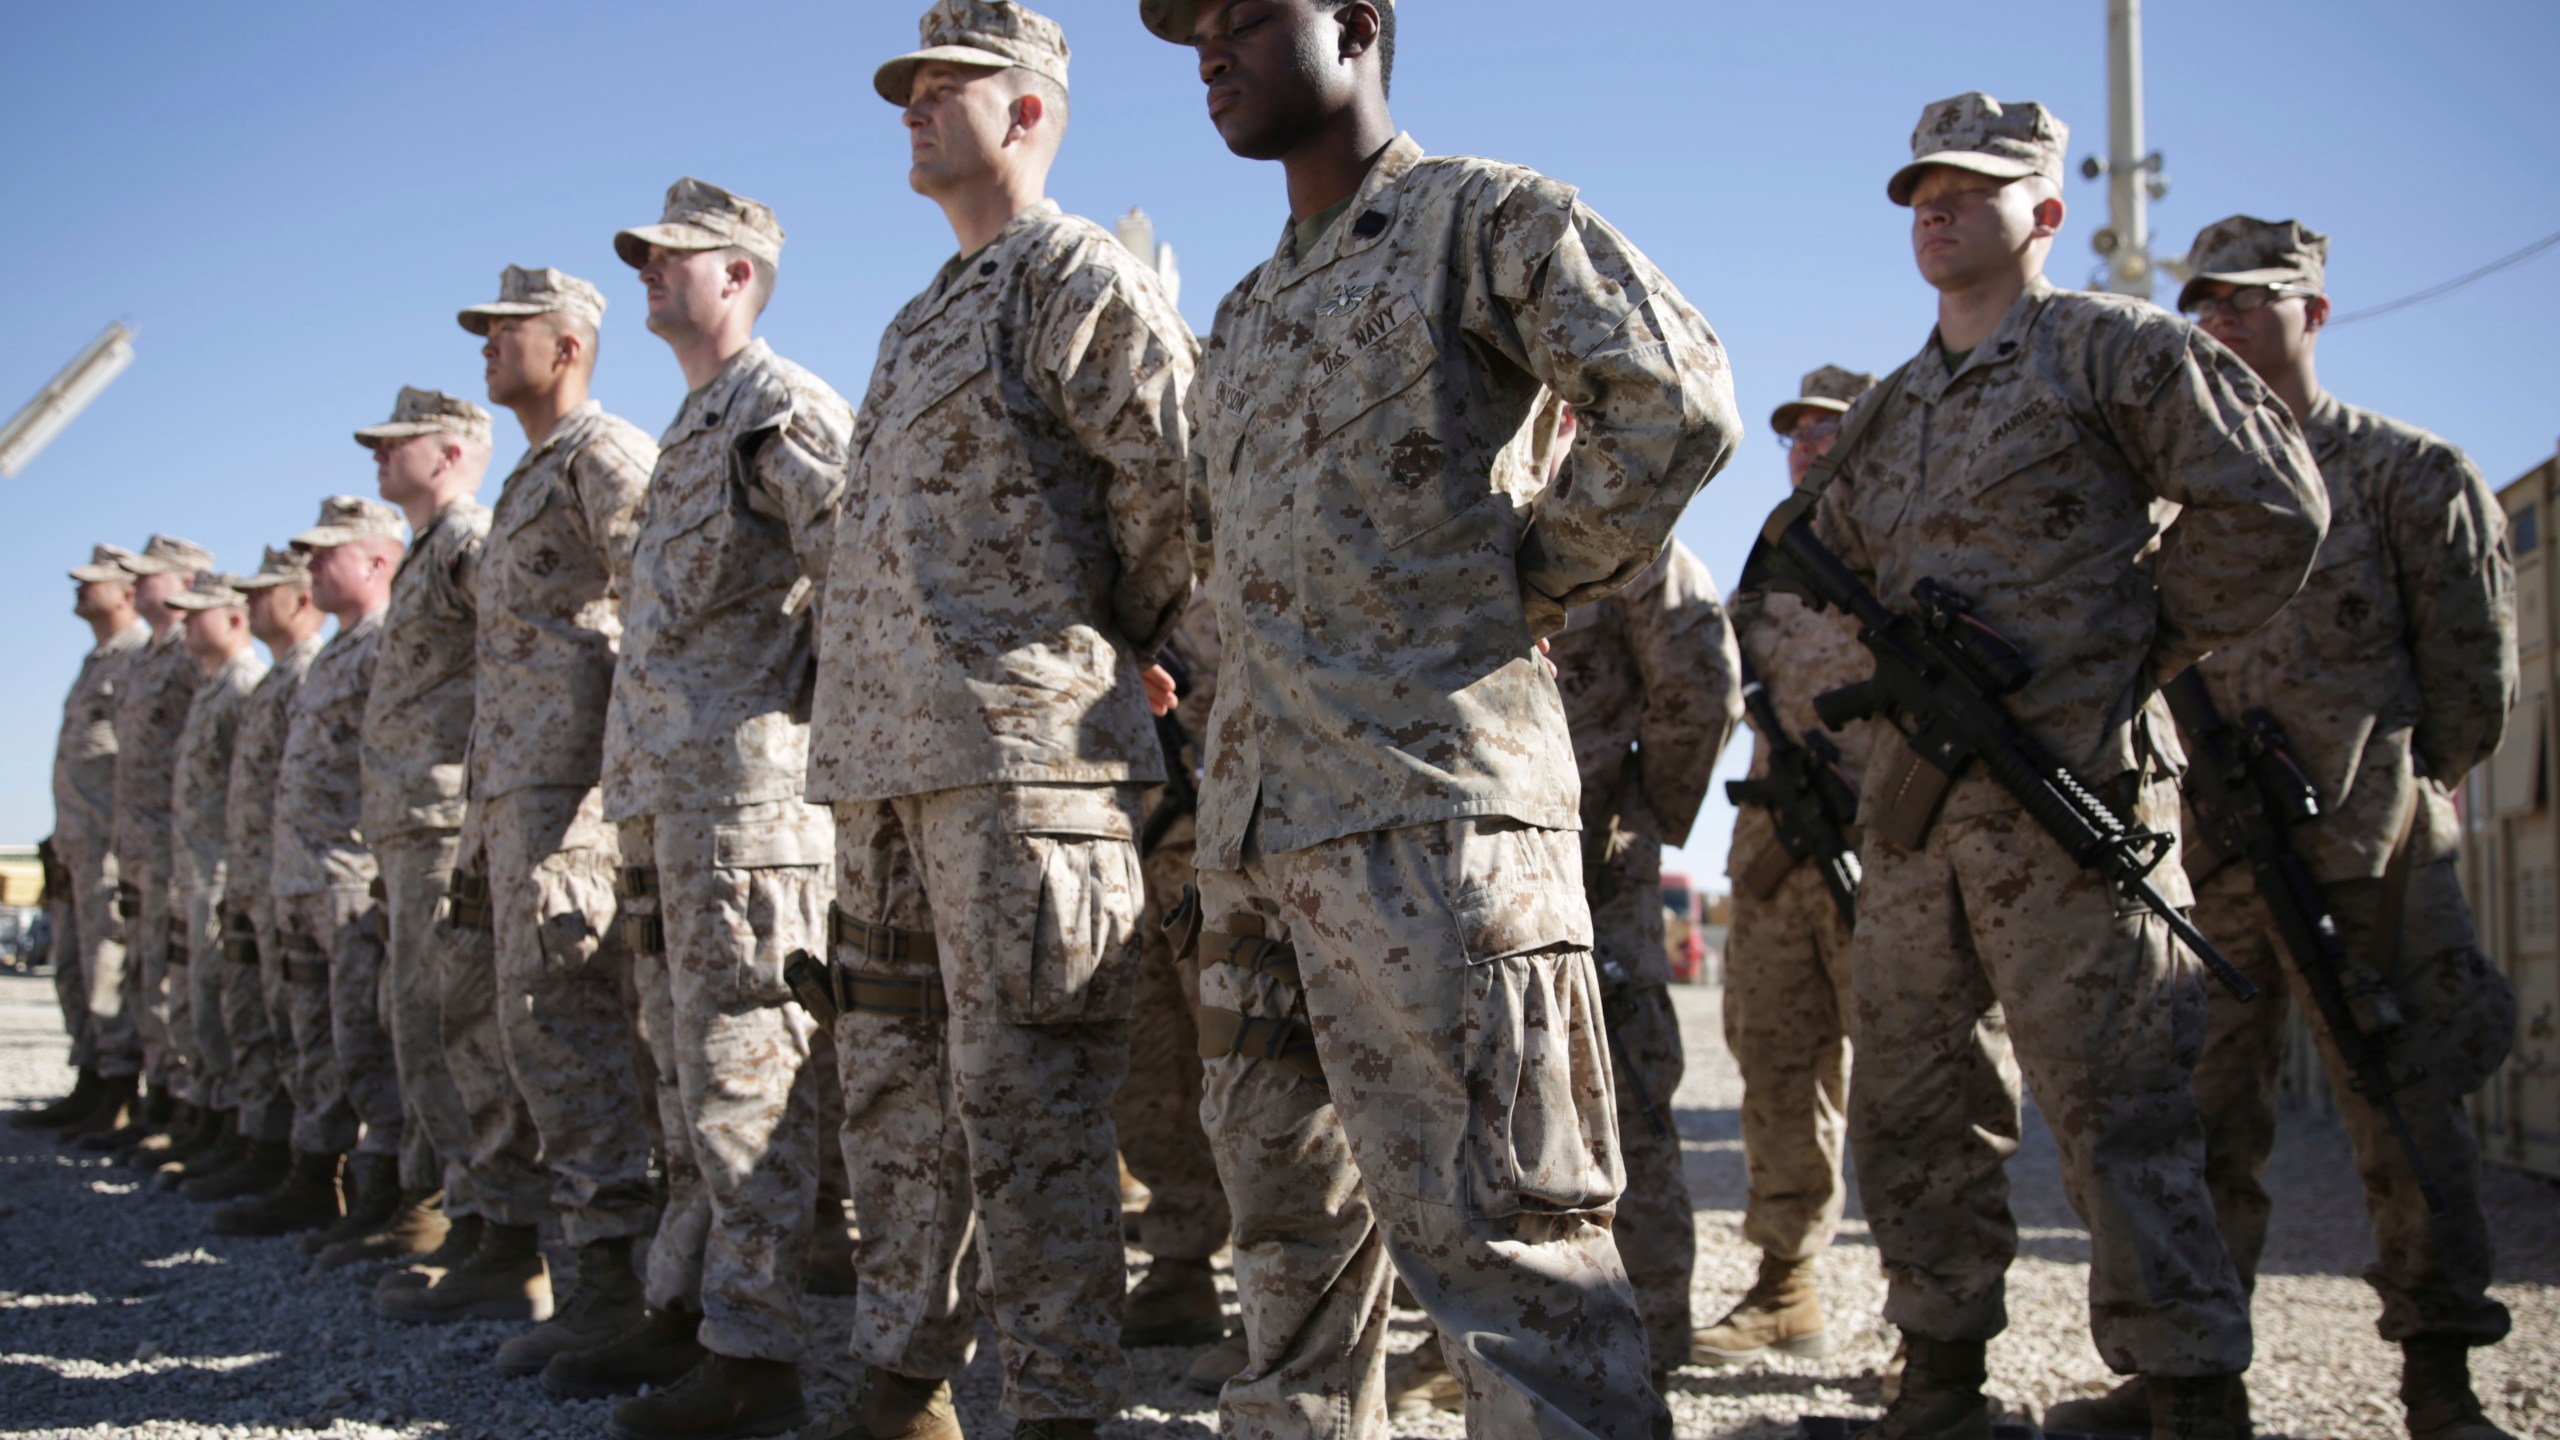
(1374, 417)
(692, 558)
(2021, 445)
(941, 368)
(2348, 604)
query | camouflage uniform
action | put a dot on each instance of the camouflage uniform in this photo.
(1013, 554)
(254, 1016)
(1786, 976)
(200, 805)
(89, 959)
(328, 925)
(151, 707)
(2038, 478)
(705, 757)
(552, 576)
(1391, 794)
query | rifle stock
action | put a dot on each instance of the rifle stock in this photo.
(1808, 801)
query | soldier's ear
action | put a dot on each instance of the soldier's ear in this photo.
(2048, 215)
(1359, 28)
(2315, 314)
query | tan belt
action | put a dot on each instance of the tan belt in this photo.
(305, 964)
(915, 988)
(180, 957)
(1226, 1032)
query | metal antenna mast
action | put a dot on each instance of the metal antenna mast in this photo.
(63, 398)
(2134, 177)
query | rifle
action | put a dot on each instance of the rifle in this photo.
(1181, 795)
(1940, 679)
(2247, 792)
(1806, 796)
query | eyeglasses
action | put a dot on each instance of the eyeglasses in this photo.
(2244, 300)
(1818, 430)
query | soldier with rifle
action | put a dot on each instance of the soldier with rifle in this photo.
(2073, 495)
(1794, 871)
(2321, 837)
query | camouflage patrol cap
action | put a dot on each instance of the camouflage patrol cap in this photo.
(702, 216)
(1974, 132)
(210, 592)
(287, 566)
(537, 292)
(1830, 389)
(348, 518)
(1172, 19)
(2245, 250)
(427, 412)
(994, 34)
(167, 553)
(106, 562)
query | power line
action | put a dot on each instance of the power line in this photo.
(2434, 292)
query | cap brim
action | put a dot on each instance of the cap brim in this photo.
(1167, 20)
(101, 574)
(270, 582)
(1998, 167)
(193, 601)
(141, 565)
(373, 435)
(896, 81)
(633, 244)
(477, 318)
(2273, 275)
(1784, 418)
(328, 537)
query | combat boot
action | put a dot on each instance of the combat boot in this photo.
(506, 1278)
(1175, 1304)
(148, 1148)
(2435, 1388)
(723, 1398)
(109, 1110)
(461, 1237)
(373, 1196)
(1419, 1382)
(660, 1350)
(197, 1129)
(417, 1227)
(307, 1199)
(890, 1406)
(2125, 1410)
(1780, 1315)
(261, 1167)
(218, 1153)
(604, 1303)
(1211, 1369)
(1941, 1396)
(145, 1117)
(66, 1111)
(2197, 1407)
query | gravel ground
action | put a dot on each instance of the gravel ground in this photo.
(120, 1316)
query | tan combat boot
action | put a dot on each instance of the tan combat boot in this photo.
(1941, 1396)
(506, 1278)
(605, 1303)
(2435, 1388)
(725, 1397)
(142, 1120)
(1781, 1315)
(373, 1196)
(417, 1227)
(890, 1406)
(2124, 1410)
(261, 1167)
(1211, 1369)
(193, 1129)
(660, 1350)
(307, 1199)
(461, 1237)
(1419, 1382)
(2197, 1407)
(108, 1110)
(1175, 1304)
(66, 1111)
(220, 1151)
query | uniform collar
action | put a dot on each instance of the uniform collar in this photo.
(1370, 216)
(248, 656)
(963, 274)
(569, 427)
(705, 408)
(1928, 381)
(131, 637)
(308, 645)
(2325, 427)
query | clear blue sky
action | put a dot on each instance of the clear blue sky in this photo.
(289, 201)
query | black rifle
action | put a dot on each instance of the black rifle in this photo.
(1805, 795)
(1940, 679)
(1181, 797)
(2246, 792)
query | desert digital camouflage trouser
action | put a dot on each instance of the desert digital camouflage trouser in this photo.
(204, 1046)
(568, 1035)
(150, 926)
(440, 1003)
(1989, 918)
(1157, 1112)
(2433, 1275)
(1656, 1229)
(1786, 1020)
(1014, 907)
(70, 987)
(108, 1027)
(254, 1018)
(1416, 1073)
(345, 1087)
(735, 893)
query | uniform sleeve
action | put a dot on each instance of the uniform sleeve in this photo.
(1590, 317)
(796, 475)
(1115, 362)
(2205, 432)
(610, 481)
(1685, 655)
(2448, 540)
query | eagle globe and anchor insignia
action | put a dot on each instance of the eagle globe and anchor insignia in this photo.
(1416, 458)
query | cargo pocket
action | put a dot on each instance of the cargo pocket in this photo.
(773, 871)
(1076, 846)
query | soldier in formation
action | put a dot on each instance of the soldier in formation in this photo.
(806, 761)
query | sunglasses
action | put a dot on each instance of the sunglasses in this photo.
(1818, 430)
(2244, 300)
